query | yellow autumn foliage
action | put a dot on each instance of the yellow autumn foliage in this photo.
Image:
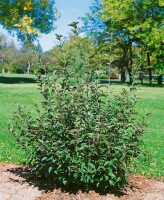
(28, 6)
(26, 25)
(22, 15)
(26, 21)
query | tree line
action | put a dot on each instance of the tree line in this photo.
(123, 36)
(130, 33)
(21, 60)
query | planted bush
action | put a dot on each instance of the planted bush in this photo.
(83, 137)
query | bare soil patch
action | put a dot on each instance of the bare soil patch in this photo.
(18, 183)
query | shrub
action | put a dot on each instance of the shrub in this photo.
(19, 70)
(83, 137)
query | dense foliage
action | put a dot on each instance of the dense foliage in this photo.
(27, 18)
(19, 61)
(83, 137)
(137, 40)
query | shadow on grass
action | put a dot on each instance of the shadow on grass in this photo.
(148, 85)
(117, 82)
(16, 80)
(43, 184)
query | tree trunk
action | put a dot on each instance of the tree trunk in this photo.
(130, 75)
(8, 70)
(150, 75)
(141, 74)
(123, 69)
(131, 66)
(122, 76)
(160, 80)
(141, 79)
(3, 69)
(149, 69)
(28, 67)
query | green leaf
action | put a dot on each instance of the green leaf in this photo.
(50, 170)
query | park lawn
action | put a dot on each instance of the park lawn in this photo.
(151, 99)
(10, 96)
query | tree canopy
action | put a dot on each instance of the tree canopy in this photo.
(143, 22)
(136, 27)
(93, 24)
(28, 18)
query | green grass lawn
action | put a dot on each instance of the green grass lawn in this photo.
(150, 99)
(10, 96)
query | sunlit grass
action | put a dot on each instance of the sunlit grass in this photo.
(10, 96)
(152, 100)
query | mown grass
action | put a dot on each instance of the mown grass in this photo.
(151, 99)
(10, 96)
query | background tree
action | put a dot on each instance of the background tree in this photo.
(8, 53)
(144, 22)
(28, 18)
(112, 38)
(11, 56)
(29, 57)
(2, 51)
(135, 25)
(93, 25)
(55, 56)
(15, 60)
